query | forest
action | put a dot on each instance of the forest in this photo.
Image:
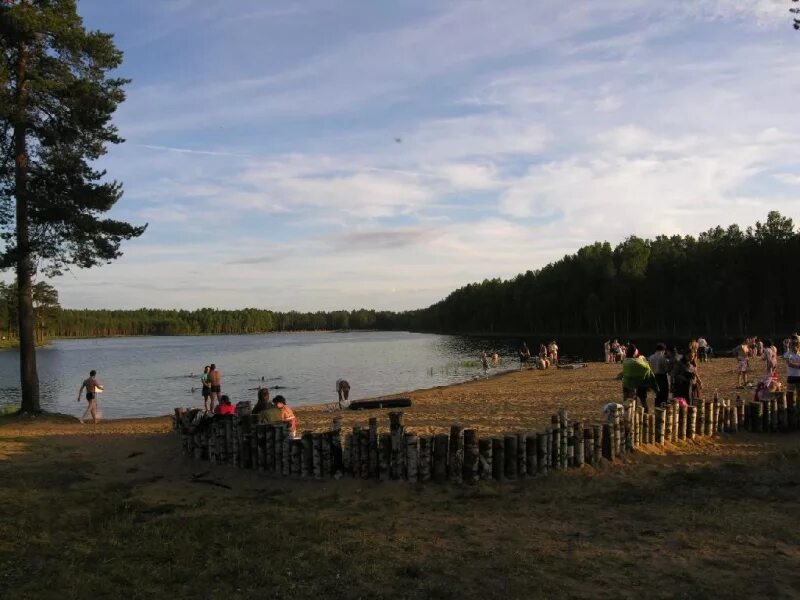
(724, 282)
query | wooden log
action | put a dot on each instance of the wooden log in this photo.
(296, 452)
(691, 426)
(627, 427)
(530, 454)
(676, 419)
(646, 429)
(588, 445)
(597, 451)
(455, 453)
(261, 443)
(440, 447)
(212, 443)
(287, 455)
(701, 418)
(396, 430)
(681, 422)
(549, 447)
(792, 410)
(660, 425)
(355, 453)
(567, 453)
(307, 468)
(279, 433)
(471, 456)
(541, 453)
(337, 462)
(347, 454)
(767, 416)
(327, 454)
(373, 448)
(364, 457)
(773, 414)
(734, 418)
(412, 457)
(316, 455)
(555, 450)
(783, 421)
(425, 447)
(720, 415)
(757, 416)
(577, 441)
(668, 411)
(522, 455)
(616, 428)
(511, 456)
(708, 418)
(384, 456)
(485, 449)
(608, 441)
(498, 459)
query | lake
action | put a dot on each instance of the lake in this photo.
(149, 376)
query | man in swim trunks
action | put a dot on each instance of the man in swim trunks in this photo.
(215, 379)
(92, 387)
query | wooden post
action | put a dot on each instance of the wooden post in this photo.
(498, 459)
(425, 445)
(522, 455)
(511, 456)
(608, 441)
(471, 456)
(440, 443)
(668, 422)
(296, 452)
(347, 453)
(660, 425)
(681, 422)
(646, 429)
(701, 418)
(364, 455)
(757, 416)
(793, 414)
(384, 456)
(577, 440)
(316, 455)
(373, 448)
(278, 448)
(597, 451)
(708, 418)
(767, 415)
(212, 443)
(734, 419)
(783, 421)
(396, 430)
(541, 453)
(456, 454)
(485, 449)
(337, 464)
(549, 446)
(691, 426)
(555, 451)
(676, 418)
(588, 445)
(773, 414)
(530, 454)
(412, 457)
(307, 469)
(567, 449)
(287, 455)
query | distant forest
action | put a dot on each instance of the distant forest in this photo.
(726, 281)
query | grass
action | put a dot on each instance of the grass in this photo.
(104, 516)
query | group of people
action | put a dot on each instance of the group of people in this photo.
(547, 357)
(663, 371)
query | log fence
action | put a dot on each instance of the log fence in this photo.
(462, 456)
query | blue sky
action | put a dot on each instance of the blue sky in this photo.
(340, 154)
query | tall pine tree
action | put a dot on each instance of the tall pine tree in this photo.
(56, 102)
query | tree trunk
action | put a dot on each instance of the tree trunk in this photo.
(29, 378)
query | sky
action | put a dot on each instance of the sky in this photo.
(339, 154)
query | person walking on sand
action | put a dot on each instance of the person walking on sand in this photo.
(92, 387)
(215, 380)
(485, 363)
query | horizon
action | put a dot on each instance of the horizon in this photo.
(321, 156)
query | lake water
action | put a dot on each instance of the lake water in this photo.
(149, 376)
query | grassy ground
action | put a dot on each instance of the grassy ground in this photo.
(115, 510)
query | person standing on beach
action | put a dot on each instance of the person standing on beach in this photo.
(637, 377)
(659, 363)
(742, 364)
(792, 357)
(524, 355)
(215, 381)
(206, 387)
(343, 391)
(485, 363)
(92, 386)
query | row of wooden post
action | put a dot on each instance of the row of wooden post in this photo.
(461, 456)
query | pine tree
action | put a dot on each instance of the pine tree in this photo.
(56, 103)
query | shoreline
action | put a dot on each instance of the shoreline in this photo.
(513, 399)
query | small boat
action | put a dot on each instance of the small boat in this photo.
(383, 403)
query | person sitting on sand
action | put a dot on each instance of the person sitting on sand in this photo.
(224, 407)
(343, 391)
(637, 377)
(263, 403)
(287, 414)
(92, 388)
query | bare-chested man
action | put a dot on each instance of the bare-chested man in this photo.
(92, 387)
(215, 379)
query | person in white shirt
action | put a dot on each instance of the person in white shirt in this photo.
(793, 365)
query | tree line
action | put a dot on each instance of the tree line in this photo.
(724, 282)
